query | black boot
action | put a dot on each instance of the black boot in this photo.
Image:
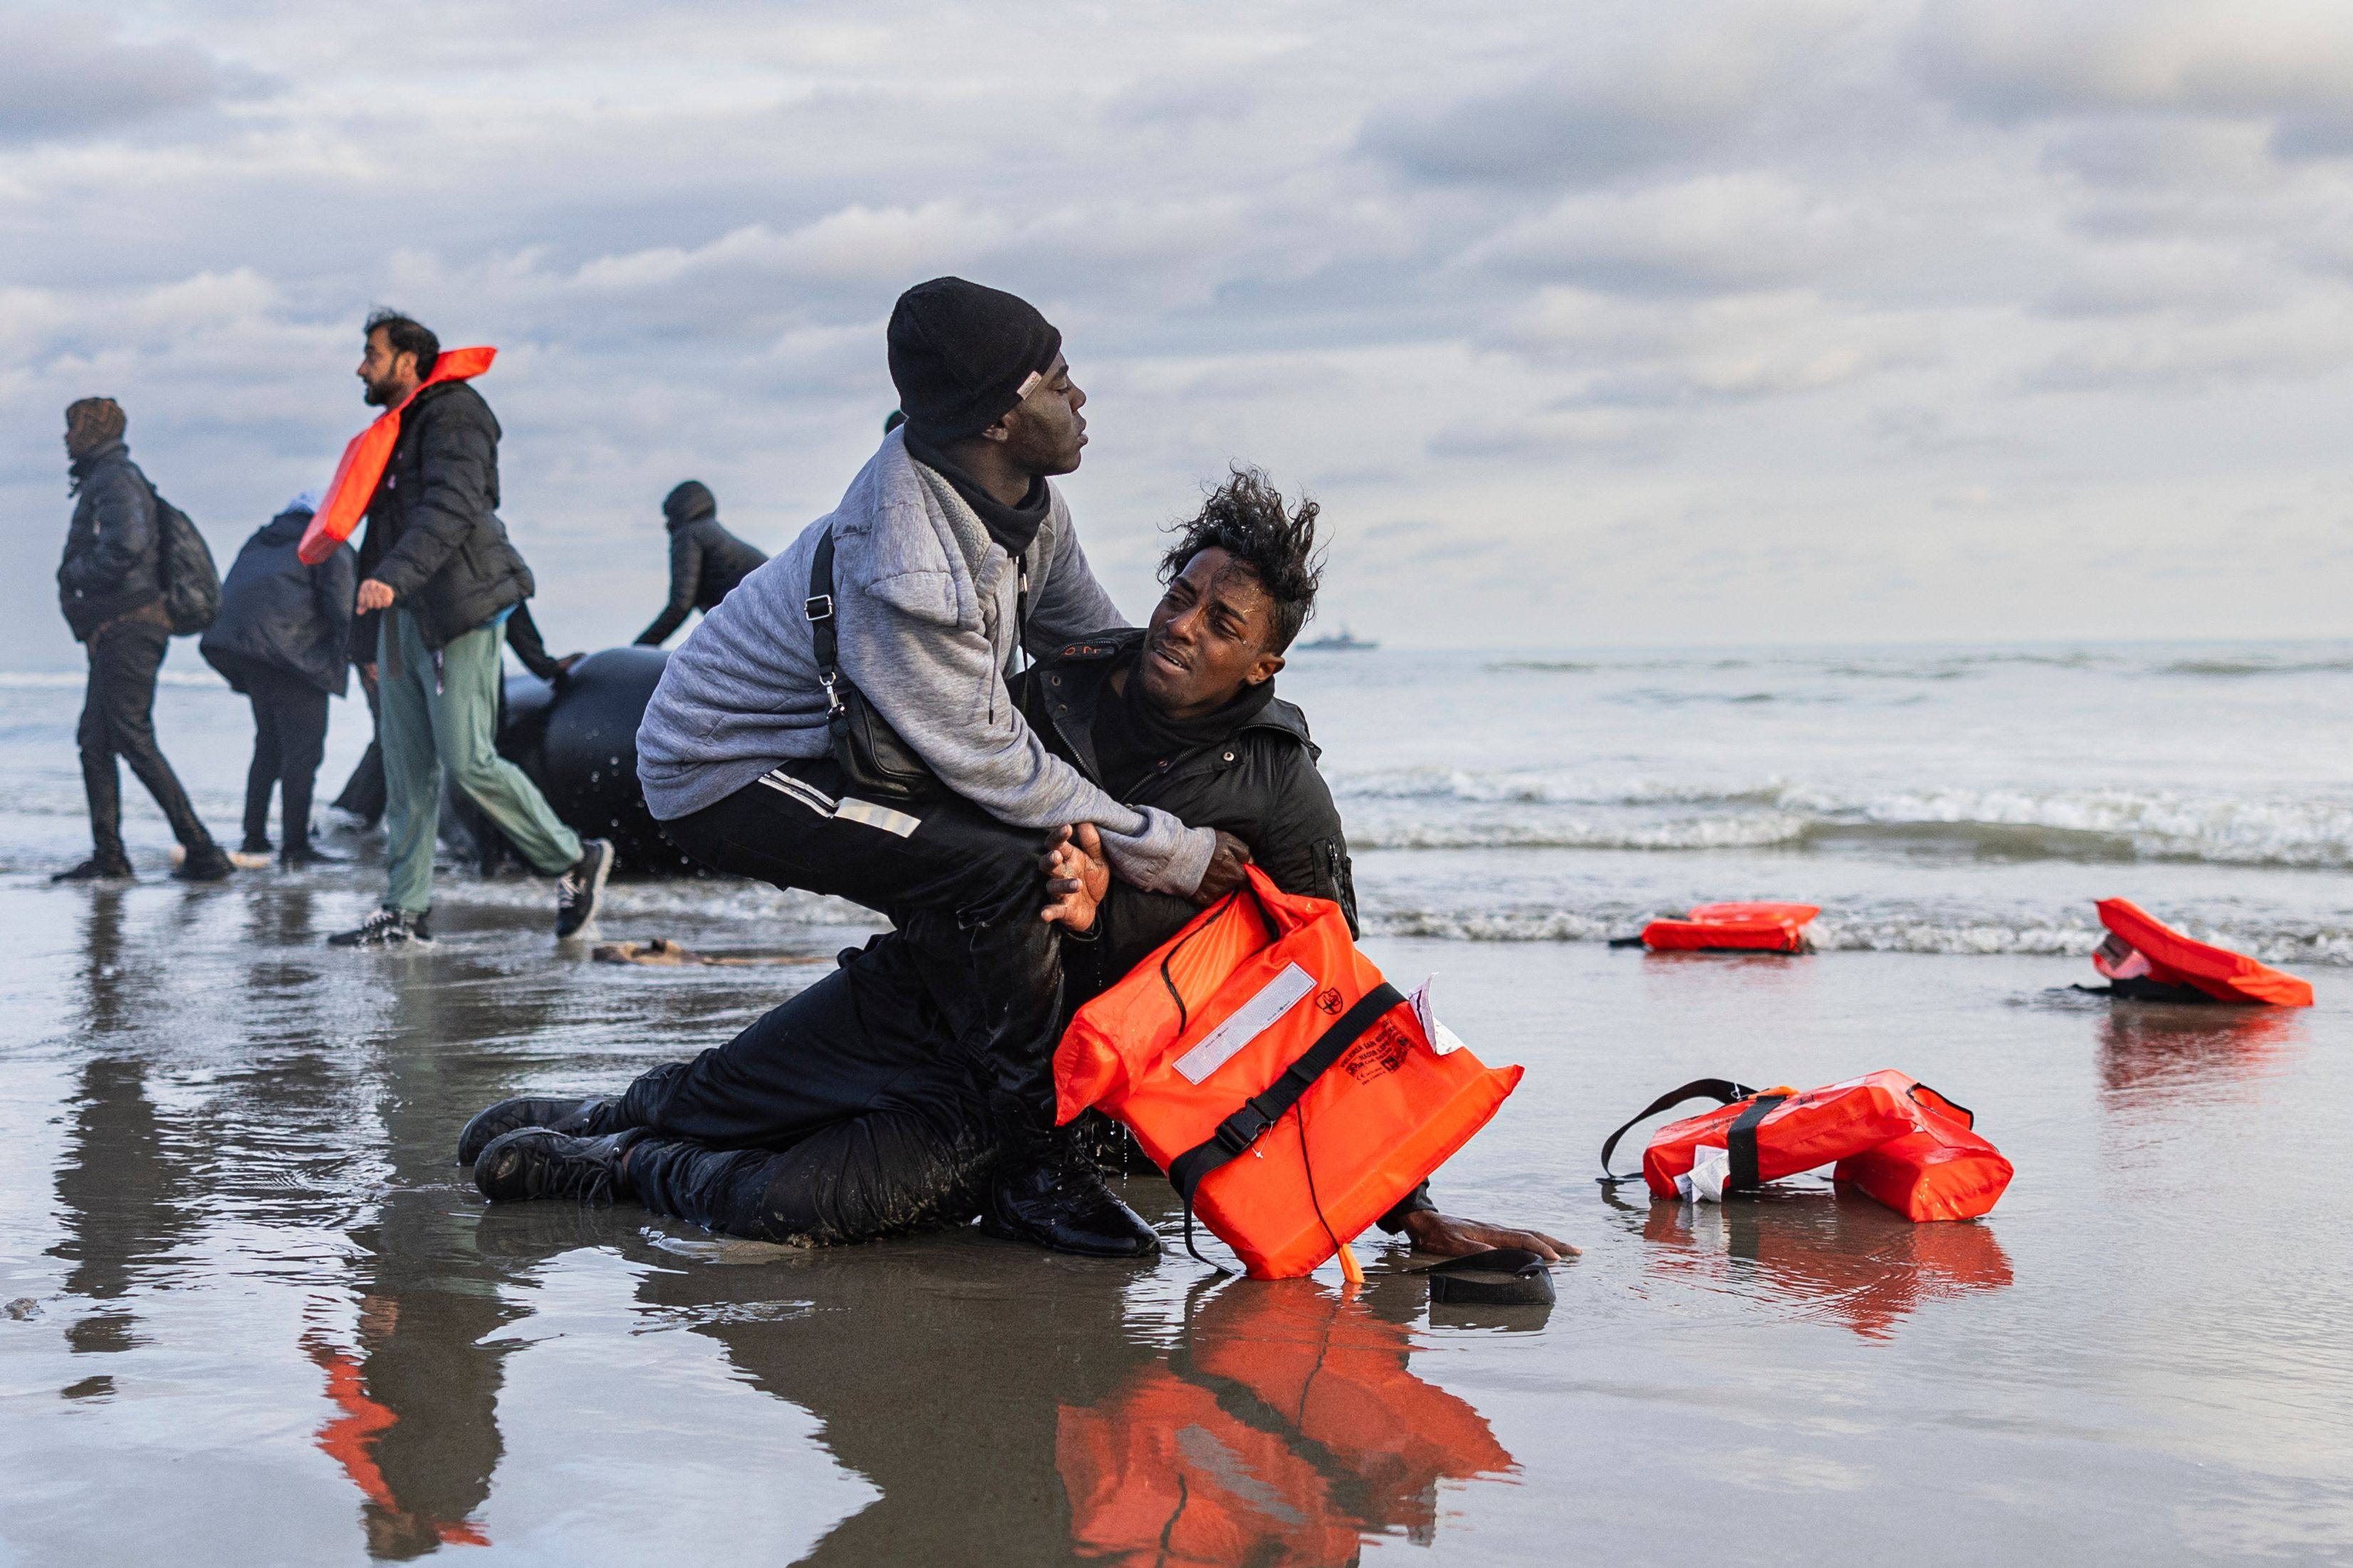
(204, 862)
(1056, 1199)
(99, 867)
(537, 1163)
(296, 859)
(576, 1116)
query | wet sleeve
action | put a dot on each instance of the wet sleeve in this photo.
(685, 578)
(335, 583)
(459, 457)
(1300, 844)
(1415, 1202)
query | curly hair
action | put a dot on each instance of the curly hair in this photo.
(1247, 518)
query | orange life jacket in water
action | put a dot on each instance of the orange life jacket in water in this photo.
(2140, 948)
(1260, 1030)
(364, 456)
(1747, 928)
(1889, 1134)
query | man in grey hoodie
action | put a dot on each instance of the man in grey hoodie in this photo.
(951, 553)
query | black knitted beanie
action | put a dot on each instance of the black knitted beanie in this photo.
(961, 356)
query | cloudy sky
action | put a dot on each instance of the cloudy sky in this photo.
(1588, 322)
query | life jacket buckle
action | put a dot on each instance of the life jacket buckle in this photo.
(809, 607)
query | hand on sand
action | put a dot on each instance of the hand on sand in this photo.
(374, 595)
(1077, 876)
(1225, 873)
(1450, 1237)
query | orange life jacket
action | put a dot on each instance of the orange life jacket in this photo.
(1889, 1134)
(1295, 1424)
(1260, 1029)
(364, 456)
(2140, 947)
(1748, 927)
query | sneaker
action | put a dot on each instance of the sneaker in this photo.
(578, 889)
(1059, 1200)
(98, 869)
(540, 1163)
(385, 927)
(575, 1116)
(205, 863)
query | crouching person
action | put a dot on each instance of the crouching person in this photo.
(851, 1112)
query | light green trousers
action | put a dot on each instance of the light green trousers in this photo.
(451, 722)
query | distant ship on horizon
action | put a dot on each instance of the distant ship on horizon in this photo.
(1341, 641)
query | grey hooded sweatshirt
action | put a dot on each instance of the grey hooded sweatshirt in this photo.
(925, 609)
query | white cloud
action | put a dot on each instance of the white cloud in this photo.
(1861, 301)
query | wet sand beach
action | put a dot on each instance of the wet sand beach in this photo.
(254, 1314)
(270, 1322)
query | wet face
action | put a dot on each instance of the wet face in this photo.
(1209, 638)
(385, 377)
(1045, 430)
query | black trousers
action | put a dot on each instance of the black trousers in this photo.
(289, 740)
(363, 792)
(849, 1112)
(118, 719)
(962, 889)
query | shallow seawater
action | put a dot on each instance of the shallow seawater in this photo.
(259, 1317)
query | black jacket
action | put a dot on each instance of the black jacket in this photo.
(278, 613)
(433, 533)
(1260, 784)
(111, 563)
(706, 562)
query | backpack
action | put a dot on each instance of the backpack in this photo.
(192, 589)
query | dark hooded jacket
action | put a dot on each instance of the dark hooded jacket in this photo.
(112, 563)
(706, 562)
(433, 534)
(1258, 783)
(278, 613)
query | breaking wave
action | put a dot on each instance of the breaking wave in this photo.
(1453, 809)
(2288, 943)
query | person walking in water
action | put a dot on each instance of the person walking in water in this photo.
(706, 562)
(283, 639)
(437, 563)
(111, 587)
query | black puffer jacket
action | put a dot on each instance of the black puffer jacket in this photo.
(706, 562)
(111, 560)
(433, 533)
(1260, 784)
(278, 613)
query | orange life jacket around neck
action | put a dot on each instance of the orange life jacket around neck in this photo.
(1291, 1094)
(366, 455)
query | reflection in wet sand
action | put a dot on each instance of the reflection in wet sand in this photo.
(2160, 1051)
(1278, 1425)
(1829, 1254)
(1285, 1426)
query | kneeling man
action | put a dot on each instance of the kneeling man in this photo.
(846, 1113)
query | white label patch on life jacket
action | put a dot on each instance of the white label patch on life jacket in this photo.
(1247, 1022)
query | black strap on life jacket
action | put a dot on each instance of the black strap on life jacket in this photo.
(1721, 1090)
(1237, 1133)
(1740, 1143)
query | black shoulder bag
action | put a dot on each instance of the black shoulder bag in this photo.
(874, 758)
